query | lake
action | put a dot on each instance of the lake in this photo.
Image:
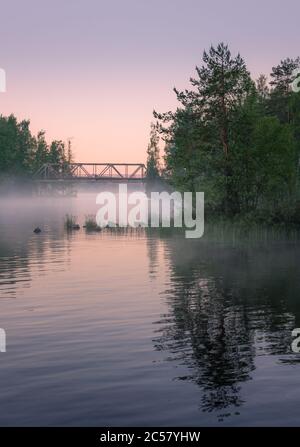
(143, 327)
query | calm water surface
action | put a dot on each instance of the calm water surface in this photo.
(143, 328)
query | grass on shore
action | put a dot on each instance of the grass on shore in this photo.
(91, 224)
(71, 223)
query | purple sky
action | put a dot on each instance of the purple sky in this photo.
(94, 70)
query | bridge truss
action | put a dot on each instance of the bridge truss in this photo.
(116, 172)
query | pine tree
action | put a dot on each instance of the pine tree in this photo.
(283, 75)
(69, 152)
(262, 87)
(225, 138)
(42, 151)
(153, 168)
(222, 85)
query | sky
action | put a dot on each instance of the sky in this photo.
(93, 71)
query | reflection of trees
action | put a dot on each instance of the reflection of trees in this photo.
(226, 306)
(152, 251)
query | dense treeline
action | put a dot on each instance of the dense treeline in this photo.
(235, 139)
(22, 153)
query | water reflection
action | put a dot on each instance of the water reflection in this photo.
(185, 327)
(227, 305)
(24, 254)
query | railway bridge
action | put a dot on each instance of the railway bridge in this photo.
(91, 172)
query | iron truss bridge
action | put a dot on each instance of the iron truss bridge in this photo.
(116, 172)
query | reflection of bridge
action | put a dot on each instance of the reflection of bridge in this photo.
(73, 172)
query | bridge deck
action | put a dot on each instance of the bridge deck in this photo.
(117, 172)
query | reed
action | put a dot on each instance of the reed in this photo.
(70, 222)
(91, 224)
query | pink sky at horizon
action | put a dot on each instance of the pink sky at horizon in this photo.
(93, 72)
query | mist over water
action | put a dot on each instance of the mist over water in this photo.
(143, 326)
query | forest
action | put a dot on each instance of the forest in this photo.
(236, 139)
(232, 137)
(22, 153)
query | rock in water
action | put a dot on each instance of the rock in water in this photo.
(37, 230)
